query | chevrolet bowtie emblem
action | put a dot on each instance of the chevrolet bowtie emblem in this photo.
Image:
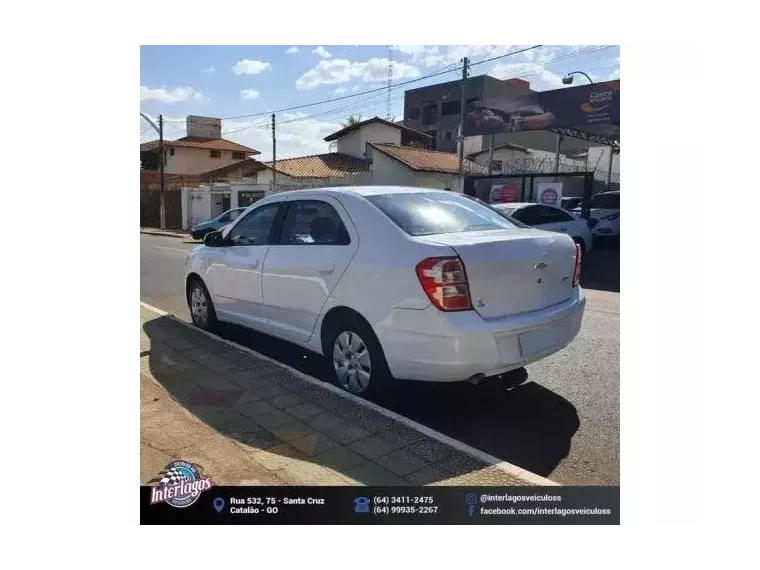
(540, 265)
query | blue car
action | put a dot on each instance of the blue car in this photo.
(200, 230)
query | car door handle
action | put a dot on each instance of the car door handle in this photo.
(326, 269)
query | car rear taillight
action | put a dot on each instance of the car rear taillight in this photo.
(578, 262)
(445, 282)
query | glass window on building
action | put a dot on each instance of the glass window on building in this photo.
(245, 199)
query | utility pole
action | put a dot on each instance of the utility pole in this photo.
(162, 203)
(462, 108)
(556, 157)
(490, 157)
(274, 155)
(609, 169)
(160, 130)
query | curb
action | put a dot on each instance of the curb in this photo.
(167, 234)
(492, 461)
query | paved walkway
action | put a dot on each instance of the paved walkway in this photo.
(169, 233)
(247, 421)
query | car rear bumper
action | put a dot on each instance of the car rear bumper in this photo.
(430, 345)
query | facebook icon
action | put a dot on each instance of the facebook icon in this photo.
(471, 510)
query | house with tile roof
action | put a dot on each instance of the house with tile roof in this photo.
(203, 149)
(408, 166)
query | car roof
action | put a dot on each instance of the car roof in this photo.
(515, 205)
(365, 190)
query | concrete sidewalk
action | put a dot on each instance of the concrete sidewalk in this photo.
(169, 233)
(247, 421)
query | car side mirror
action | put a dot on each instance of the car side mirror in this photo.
(214, 239)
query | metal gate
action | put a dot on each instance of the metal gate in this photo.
(150, 205)
(575, 184)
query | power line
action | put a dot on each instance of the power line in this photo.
(522, 67)
(371, 90)
(376, 94)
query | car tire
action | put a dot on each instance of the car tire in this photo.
(201, 308)
(356, 359)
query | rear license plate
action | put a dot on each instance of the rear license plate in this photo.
(537, 341)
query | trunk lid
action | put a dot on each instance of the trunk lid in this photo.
(513, 271)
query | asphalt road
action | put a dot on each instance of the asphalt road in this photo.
(562, 421)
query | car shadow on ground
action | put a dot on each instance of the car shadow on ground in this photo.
(509, 417)
(528, 426)
(601, 268)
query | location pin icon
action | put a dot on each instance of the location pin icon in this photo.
(218, 504)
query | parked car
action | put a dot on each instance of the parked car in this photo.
(200, 230)
(605, 208)
(571, 203)
(391, 283)
(549, 218)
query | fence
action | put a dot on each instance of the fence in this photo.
(547, 165)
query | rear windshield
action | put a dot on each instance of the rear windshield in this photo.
(428, 213)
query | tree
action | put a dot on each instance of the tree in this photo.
(352, 120)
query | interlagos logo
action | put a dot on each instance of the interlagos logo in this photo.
(179, 485)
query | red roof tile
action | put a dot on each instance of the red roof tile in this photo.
(199, 142)
(423, 160)
(328, 165)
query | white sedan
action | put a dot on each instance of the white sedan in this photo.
(604, 214)
(551, 219)
(389, 283)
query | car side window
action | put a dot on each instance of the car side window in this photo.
(527, 215)
(313, 222)
(234, 214)
(553, 215)
(223, 218)
(255, 228)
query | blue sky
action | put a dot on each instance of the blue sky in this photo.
(229, 81)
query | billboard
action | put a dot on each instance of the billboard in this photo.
(573, 107)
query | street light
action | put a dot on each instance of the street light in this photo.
(568, 79)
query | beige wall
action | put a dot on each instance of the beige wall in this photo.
(390, 172)
(194, 160)
(503, 154)
(354, 143)
(265, 177)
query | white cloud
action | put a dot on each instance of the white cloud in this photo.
(169, 97)
(615, 74)
(208, 69)
(331, 72)
(291, 50)
(411, 50)
(355, 88)
(322, 52)
(540, 78)
(249, 94)
(250, 67)
(341, 90)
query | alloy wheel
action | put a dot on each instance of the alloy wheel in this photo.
(352, 362)
(199, 306)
